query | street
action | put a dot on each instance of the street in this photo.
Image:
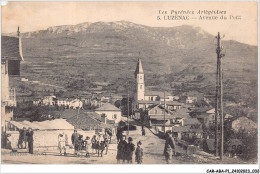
(152, 147)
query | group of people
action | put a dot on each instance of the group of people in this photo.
(98, 143)
(126, 150)
(26, 137)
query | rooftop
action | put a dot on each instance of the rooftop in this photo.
(57, 124)
(186, 129)
(174, 103)
(157, 93)
(108, 107)
(139, 67)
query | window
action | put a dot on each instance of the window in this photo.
(141, 77)
(115, 116)
(141, 86)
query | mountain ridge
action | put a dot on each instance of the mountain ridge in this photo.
(109, 51)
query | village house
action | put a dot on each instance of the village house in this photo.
(206, 115)
(11, 56)
(49, 100)
(159, 117)
(70, 103)
(45, 132)
(87, 121)
(110, 112)
(188, 99)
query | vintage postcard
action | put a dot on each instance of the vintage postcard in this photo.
(129, 82)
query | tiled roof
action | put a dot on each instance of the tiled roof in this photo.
(191, 121)
(186, 129)
(160, 102)
(10, 48)
(87, 120)
(201, 110)
(108, 107)
(157, 93)
(44, 125)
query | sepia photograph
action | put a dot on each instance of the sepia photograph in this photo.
(125, 82)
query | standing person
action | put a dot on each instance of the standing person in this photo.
(30, 140)
(74, 140)
(88, 146)
(119, 134)
(106, 141)
(101, 144)
(61, 143)
(169, 147)
(22, 141)
(122, 145)
(143, 132)
(139, 153)
(74, 137)
(109, 132)
(94, 143)
(78, 145)
(130, 148)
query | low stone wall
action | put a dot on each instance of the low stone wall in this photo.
(48, 138)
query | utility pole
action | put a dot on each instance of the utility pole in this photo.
(128, 110)
(164, 111)
(219, 98)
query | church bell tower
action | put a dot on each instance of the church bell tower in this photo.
(139, 76)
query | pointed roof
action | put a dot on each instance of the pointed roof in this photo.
(139, 67)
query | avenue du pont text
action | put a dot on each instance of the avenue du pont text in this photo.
(200, 15)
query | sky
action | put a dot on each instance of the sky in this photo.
(32, 16)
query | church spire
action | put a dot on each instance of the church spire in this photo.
(139, 68)
(139, 76)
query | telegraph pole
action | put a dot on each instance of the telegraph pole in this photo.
(128, 110)
(216, 105)
(164, 113)
(219, 98)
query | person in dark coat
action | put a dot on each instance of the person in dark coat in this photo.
(78, 145)
(109, 132)
(106, 142)
(74, 137)
(74, 140)
(22, 141)
(130, 148)
(169, 147)
(139, 153)
(119, 134)
(94, 144)
(30, 140)
(143, 132)
(121, 149)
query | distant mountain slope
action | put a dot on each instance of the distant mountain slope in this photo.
(109, 51)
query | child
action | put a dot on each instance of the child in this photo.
(88, 146)
(139, 153)
(78, 145)
(62, 145)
